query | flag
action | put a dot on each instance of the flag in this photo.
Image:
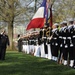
(38, 19)
(49, 19)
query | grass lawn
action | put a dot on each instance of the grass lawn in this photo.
(23, 64)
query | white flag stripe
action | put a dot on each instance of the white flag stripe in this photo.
(39, 13)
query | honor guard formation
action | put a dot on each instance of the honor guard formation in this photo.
(56, 43)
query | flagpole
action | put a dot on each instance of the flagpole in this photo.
(51, 19)
(35, 9)
(46, 14)
(35, 6)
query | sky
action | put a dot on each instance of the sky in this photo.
(30, 3)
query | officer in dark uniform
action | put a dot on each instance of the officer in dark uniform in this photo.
(55, 42)
(4, 41)
(0, 46)
(45, 41)
(40, 41)
(48, 34)
(65, 44)
(73, 40)
(29, 43)
(24, 44)
(32, 44)
(19, 43)
(70, 43)
(61, 43)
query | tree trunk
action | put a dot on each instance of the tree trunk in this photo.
(10, 34)
(10, 23)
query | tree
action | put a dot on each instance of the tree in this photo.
(63, 9)
(9, 9)
(13, 11)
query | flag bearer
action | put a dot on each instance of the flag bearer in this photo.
(48, 33)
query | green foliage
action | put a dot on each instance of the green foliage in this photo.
(63, 9)
(23, 64)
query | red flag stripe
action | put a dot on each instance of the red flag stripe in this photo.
(36, 23)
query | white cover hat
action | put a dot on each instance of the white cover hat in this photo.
(56, 24)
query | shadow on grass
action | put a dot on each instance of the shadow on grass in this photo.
(22, 64)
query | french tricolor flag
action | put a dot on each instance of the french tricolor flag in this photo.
(40, 16)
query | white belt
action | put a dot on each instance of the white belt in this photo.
(29, 40)
(36, 40)
(61, 45)
(56, 44)
(54, 38)
(48, 38)
(23, 41)
(64, 37)
(60, 37)
(32, 40)
(68, 37)
(71, 45)
(66, 46)
(52, 43)
(73, 36)
(44, 37)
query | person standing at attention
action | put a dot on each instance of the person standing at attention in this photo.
(4, 41)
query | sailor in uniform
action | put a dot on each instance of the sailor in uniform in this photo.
(37, 52)
(68, 45)
(19, 43)
(65, 44)
(44, 49)
(55, 42)
(61, 43)
(73, 40)
(24, 45)
(32, 44)
(29, 43)
(45, 41)
(40, 42)
(71, 46)
(48, 34)
(27, 46)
